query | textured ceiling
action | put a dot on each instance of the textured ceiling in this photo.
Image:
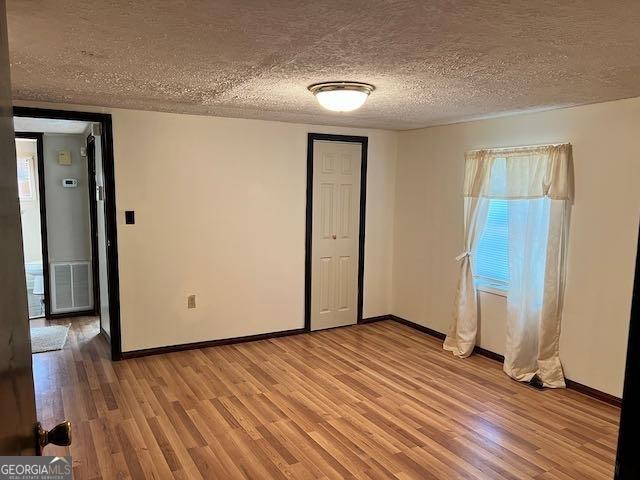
(433, 62)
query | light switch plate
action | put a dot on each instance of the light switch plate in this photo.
(129, 217)
(191, 301)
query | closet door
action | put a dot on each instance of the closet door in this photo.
(335, 232)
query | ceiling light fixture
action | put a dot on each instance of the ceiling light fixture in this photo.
(341, 96)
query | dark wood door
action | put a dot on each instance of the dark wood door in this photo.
(17, 400)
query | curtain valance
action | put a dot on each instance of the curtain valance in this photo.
(520, 173)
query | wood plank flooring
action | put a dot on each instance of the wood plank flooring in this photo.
(372, 401)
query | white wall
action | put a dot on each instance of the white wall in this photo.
(220, 213)
(603, 235)
(68, 220)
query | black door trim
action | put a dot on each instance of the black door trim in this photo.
(627, 459)
(93, 214)
(38, 137)
(110, 206)
(364, 141)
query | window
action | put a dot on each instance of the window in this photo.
(25, 178)
(517, 203)
(492, 253)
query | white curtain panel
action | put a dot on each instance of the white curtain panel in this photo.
(461, 338)
(537, 244)
(538, 182)
(463, 330)
(528, 223)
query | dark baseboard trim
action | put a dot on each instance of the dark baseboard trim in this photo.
(379, 318)
(578, 387)
(209, 343)
(226, 341)
(489, 354)
(592, 392)
(417, 326)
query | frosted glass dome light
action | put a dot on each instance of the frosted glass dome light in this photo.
(341, 96)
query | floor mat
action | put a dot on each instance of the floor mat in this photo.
(45, 339)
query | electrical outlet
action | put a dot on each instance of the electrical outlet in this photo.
(191, 301)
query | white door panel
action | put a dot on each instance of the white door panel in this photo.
(335, 227)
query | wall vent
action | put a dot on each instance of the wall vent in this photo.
(71, 287)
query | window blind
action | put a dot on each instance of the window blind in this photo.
(492, 254)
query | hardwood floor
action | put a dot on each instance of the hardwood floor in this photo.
(372, 401)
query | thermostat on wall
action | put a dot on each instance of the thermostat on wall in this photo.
(70, 182)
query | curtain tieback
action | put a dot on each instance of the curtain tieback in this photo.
(464, 254)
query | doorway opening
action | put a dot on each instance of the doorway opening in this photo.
(335, 230)
(67, 202)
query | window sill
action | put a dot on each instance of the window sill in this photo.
(487, 286)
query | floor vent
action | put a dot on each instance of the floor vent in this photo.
(71, 287)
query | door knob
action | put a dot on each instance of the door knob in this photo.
(58, 435)
(334, 236)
